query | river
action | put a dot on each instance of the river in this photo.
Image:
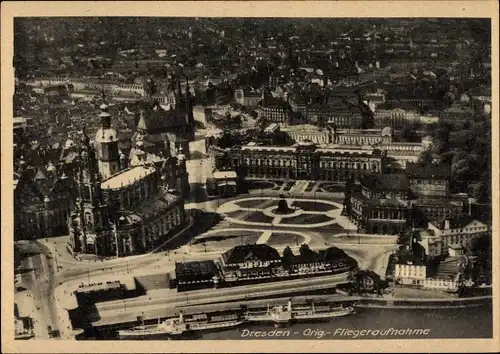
(472, 322)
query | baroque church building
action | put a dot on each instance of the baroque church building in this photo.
(127, 204)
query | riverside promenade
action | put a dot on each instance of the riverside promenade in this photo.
(123, 319)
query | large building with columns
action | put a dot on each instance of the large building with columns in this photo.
(389, 203)
(303, 161)
(125, 206)
(380, 203)
(399, 153)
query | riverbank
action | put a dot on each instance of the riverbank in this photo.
(408, 303)
(442, 321)
(358, 301)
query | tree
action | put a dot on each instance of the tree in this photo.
(261, 123)
(403, 238)
(426, 158)
(288, 255)
(238, 120)
(482, 191)
(305, 251)
(408, 134)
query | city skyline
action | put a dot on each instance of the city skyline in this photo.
(206, 178)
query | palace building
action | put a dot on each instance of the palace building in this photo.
(388, 203)
(399, 154)
(125, 206)
(363, 136)
(380, 204)
(304, 160)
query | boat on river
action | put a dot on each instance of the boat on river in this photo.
(177, 326)
(281, 315)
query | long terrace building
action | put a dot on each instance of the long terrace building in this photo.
(304, 160)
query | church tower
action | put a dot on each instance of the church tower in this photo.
(182, 184)
(89, 222)
(189, 100)
(107, 146)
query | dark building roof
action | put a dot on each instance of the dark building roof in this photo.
(51, 186)
(457, 222)
(243, 253)
(385, 182)
(195, 270)
(98, 287)
(272, 102)
(330, 254)
(409, 258)
(389, 203)
(159, 120)
(415, 170)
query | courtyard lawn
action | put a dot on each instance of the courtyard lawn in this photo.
(288, 186)
(310, 186)
(313, 206)
(305, 219)
(333, 228)
(250, 216)
(285, 239)
(257, 203)
(261, 185)
(332, 188)
(278, 185)
(228, 239)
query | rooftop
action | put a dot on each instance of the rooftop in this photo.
(415, 170)
(301, 128)
(243, 253)
(449, 268)
(127, 177)
(385, 182)
(436, 201)
(99, 287)
(195, 269)
(224, 174)
(457, 222)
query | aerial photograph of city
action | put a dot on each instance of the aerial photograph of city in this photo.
(243, 178)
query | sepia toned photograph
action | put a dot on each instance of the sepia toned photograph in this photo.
(245, 178)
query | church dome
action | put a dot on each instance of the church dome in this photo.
(387, 131)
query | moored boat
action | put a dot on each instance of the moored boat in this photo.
(174, 327)
(282, 315)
